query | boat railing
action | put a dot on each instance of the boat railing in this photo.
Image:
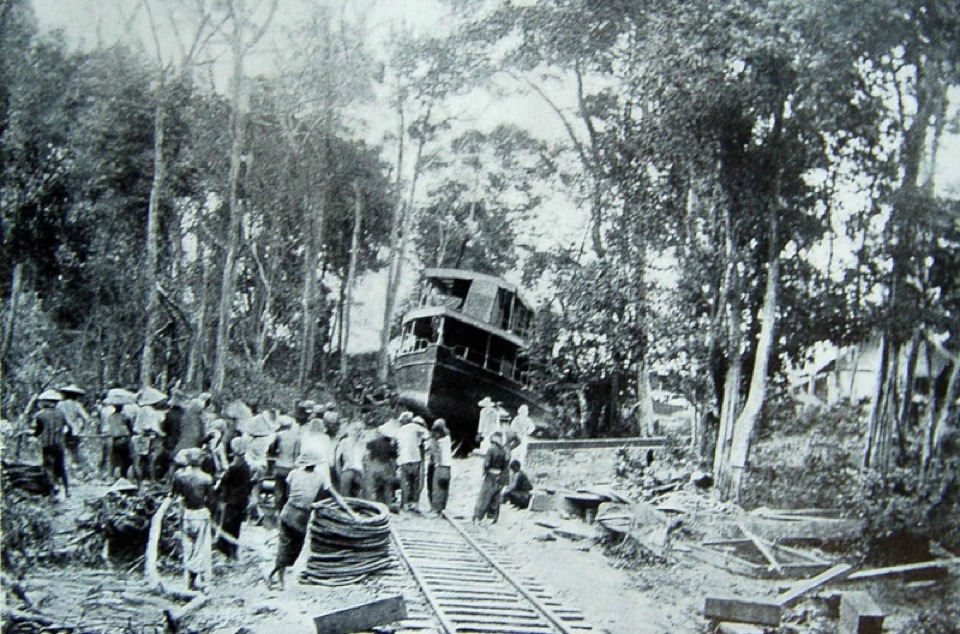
(474, 356)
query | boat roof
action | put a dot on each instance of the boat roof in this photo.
(464, 274)
(434, 311)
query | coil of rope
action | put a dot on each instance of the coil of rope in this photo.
(346, 548)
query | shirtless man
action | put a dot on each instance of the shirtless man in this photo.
(195, 489)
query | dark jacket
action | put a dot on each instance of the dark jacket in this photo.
(237, 483)
(49, 424)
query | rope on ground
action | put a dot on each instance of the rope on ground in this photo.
(345, 549)
(153, 541)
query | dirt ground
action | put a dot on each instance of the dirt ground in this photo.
(650, 599)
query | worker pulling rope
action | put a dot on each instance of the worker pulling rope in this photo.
(345, 549)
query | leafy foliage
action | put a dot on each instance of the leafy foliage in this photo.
(904, 511)
(26, 526)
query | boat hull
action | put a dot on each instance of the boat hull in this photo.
(435, 383)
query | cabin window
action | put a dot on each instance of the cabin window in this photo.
(446, 292)
(504, 309)
(483, 349)
(420, 333)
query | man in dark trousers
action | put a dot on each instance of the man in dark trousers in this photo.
(380, 471)
(195, 489)
(518, 491)
(305, 484)
(494, 466)
(49, 424)
(233, 493)
(283, 454)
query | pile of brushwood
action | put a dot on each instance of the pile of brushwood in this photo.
(26, 478)
(116, 527)
(26, 529)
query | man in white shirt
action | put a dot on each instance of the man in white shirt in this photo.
(489, 422)
(410, 438)
(349, 458)
(522, 426)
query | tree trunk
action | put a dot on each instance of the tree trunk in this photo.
(153, 237)
(584, 406)
(308, 300)
(198, 342)
(383, 359)
(351, 273)
(10, 325)
(730, 400)
(937, 428)
(747, 421)
(910, 371)
(876, 405)
(229, 275)
(645, 413)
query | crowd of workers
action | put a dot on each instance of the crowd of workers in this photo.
(219, 462)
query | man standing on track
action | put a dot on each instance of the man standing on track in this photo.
(442, 460)
(494, 465)
(410, 458)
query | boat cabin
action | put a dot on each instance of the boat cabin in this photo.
(477, 318)
(484, 298)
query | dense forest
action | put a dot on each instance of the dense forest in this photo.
(754, 177)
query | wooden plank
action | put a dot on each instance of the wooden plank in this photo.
(805, 569)
(739, 628)
(362, 616)
(805, 529)
(764, 548)
(799, 553)
(756, 610)
(860, 614)
(726, 561)
(835, 573)
(936, 564)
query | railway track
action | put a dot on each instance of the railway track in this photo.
(466, 589)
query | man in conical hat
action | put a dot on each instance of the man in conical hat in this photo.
(78, 424)
(49, 424)
(147, 432)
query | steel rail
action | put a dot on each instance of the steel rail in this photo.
(544, 609)
(447, 625)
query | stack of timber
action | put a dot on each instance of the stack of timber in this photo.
(25, 477)
(90, 601)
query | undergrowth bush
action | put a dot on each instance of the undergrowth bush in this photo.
(25, 529)
(827, 475)
(944, 619)
(904, 512)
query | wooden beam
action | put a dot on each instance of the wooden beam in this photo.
(362, 616)
(836, 573)
(756, 610)
(860, 614)
(764, 548)
(936, 564)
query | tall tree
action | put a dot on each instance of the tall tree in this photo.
(245, 32)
